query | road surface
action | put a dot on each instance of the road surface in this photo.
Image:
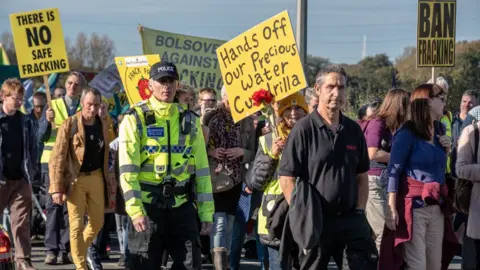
(38, 255)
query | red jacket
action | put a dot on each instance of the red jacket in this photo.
(391, 250)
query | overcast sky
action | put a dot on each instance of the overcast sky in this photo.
(335, 28)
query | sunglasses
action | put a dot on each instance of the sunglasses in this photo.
(210, 100)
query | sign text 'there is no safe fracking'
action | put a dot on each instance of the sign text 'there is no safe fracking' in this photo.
(39, 42)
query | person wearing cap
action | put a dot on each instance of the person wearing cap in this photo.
(264, 176)
(164, 176)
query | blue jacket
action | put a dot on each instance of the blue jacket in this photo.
(44, 127)
(29, 163)
(40, 144)
(416, 158)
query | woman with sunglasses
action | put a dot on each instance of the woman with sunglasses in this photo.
(419, 233)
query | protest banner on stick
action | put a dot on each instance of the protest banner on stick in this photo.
(195, 57)
(39, 44)
(264, 57)
(436, 33)
(135, 73)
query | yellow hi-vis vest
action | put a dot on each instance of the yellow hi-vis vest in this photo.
(143, 157)
(447, 121)
(271, 195)
(61, 114)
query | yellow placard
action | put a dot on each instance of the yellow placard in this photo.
(264, 57)
(39, 42)
(436, 33)
(135, 73)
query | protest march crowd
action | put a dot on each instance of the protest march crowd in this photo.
(375, 192)
(193, 175)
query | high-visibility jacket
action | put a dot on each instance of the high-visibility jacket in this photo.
(61, 113)
(447, 121)
(271, 196)
(143, 157)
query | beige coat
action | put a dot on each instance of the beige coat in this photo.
(67, 158)
(469, 171)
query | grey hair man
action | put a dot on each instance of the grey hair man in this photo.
(339, 174)
(57, 238)
(311, 98)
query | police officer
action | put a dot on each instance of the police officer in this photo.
(165, 177)
(56, 231)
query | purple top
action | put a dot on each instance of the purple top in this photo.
(375, 132)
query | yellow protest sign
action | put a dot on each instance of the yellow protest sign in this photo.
(436, 33)
(266, 56)
(39, 42)
(135, 73)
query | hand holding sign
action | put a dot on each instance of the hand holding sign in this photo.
(265, 56)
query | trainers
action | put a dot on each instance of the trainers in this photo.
(64, 258)
(50, 259)
(93, 261)
(25, 264)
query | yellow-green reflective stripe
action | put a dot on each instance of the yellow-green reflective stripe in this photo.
(205, 197)
(47, 148)
(180, 169)
(132, 194)
(202, 172)
(149, 168)
(128, 168)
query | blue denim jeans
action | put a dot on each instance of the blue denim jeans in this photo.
(274, 259)
(262, 251)
(221, 236)
(121, 222)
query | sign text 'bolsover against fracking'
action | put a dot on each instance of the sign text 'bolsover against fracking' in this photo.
(194, 57)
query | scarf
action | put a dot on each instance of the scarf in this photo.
(224, 133)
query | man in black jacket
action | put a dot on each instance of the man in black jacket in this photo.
(18, 156)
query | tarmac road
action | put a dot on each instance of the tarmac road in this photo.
(38, 255)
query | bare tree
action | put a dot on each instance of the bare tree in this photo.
(84, 53)
(92, 53)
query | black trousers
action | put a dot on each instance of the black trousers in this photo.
(99, 244)
(347, 239)
(174, 230)
(57, 236)
(470, 253)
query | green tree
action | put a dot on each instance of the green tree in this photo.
(314, 65)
